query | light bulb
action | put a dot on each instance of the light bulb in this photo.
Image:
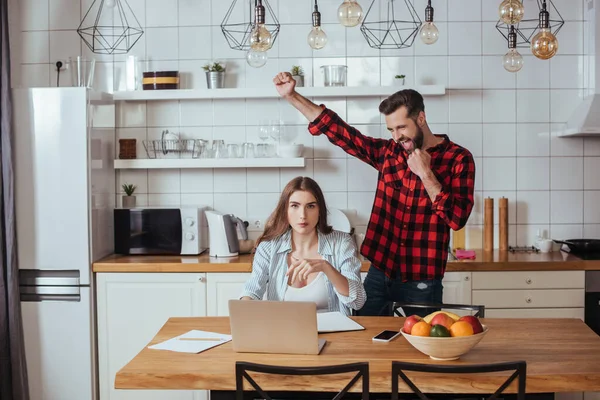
(260, 38)
(350, 13)
(511, 11)
(317, 39)
(544, 44)
(512, 61)
(429, 33)
(256, 59)
(110, 3)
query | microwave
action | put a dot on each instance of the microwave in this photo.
(174, 231)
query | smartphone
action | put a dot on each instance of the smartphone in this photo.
(385, 336)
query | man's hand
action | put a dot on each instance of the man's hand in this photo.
(419, 163)
(284, 83)
(300, 269)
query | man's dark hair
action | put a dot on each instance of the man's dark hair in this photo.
(409, 98)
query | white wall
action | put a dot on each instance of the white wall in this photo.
(505, 119)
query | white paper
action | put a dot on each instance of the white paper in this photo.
(335, 321)
(181, 345)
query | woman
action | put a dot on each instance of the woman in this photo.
(300, 258)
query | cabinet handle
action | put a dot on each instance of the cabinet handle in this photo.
(528, 300)
(528, 281)
(201, 279)
(467, 278)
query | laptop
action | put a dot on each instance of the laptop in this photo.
(278, 327)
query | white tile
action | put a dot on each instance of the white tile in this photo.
(469, 10)
(533, 207)
(493, 41)
(476, 217)
(495, 76)
(131, 114)
(499, 106)
(465, 72)
(236, 73)
(566, 173)
(336, 41)
(325, 149)
(231, 203)
(293, 40)
(535, 73)
(591, 169)
(138, 7)
(511, 196)
(230, 180)
(527, 234)
(262, 180)
(430, 70)
(534, 173)
(162, 113)
(196, 113)
(566, 207)
(330, 174)
(194, 43)
(499, 174)
(364, 110)
(294, 11)
(287, 174)
(465, 106)
(563, 102)
(262, 204)
(335, 104)
(164, 181)
(474, 237)
(469, 136)
(296, 134)
(363, 177)
(392, 66)
(139, 134)
(197, 180)
(139, 178)
(570, 38)
(560, 146)
(37, 75)
(439, 48)
(161, 13)
(533, 106)
(328, 10)
(437, 109)
(499, 140)
(197, 199)
(162, 43)
(489, 11)
(362, 202)
(318, 74)
(194, 12)
(591, 231)
(464, 38)
(565, 232)
(363, 71)
(221, 49)
(229, 112)
(591, 211)
(356, 44)
(566, 72)
(533, 140)
(336, 199)
(64, 44)
(570, 10)
(263, 77)
(34, 15)
(260, 110)
(230, 134)
(35, 47)
(103, 77)
(164, 199)
(65, 14)
(591, 146)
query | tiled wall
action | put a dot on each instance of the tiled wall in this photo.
(506, 120)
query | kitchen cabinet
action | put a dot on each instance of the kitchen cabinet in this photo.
(457, 290)
(222, 287)
(132, 307)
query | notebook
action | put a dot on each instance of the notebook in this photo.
(335, 321)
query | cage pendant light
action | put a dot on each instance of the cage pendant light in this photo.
(399, 28)
(110, 27)
(239, 21)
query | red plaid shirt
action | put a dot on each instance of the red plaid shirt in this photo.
(407, 232)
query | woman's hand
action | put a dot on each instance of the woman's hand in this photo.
(299, 269)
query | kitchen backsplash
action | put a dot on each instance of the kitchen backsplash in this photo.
(508, 121)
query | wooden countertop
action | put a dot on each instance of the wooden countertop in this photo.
(495, 261)
(561, 354)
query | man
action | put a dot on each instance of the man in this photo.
(424, 189)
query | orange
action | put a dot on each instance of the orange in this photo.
(461, 328)
(421, 328)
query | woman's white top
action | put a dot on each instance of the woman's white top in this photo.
(315, 291)
(271, 263)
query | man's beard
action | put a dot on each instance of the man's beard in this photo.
(417, 142)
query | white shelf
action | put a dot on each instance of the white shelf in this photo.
(210, 163)
(270, 92)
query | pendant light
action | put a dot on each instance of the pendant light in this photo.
(544, 44)
(350, 13)
(241, 29)
(512, 61)
(260, 37)
(429, 32)
(118, 36)
(511, 11)
(394, 28)
(317, 39)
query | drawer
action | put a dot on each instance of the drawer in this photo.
(549, 298)
(535, 313)
(529, 280)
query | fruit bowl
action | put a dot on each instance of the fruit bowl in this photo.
(445, 348)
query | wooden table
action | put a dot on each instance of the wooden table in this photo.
(562, 355)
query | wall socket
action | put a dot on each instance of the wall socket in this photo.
(63, 67)
(256, 225)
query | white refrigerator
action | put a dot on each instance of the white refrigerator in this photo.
(64, 147)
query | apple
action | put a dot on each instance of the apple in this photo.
(442, 319)
(474, 322)
(410, 322)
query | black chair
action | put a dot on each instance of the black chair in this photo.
(242, 369)
(479, 310)
(519, 368)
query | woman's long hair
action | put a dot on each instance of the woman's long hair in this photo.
(277, 224)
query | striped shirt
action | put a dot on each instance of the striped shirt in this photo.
(337, 248)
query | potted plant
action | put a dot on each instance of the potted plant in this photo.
(129, 199)
(399, 79)
(215, 75)
(298, 75)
